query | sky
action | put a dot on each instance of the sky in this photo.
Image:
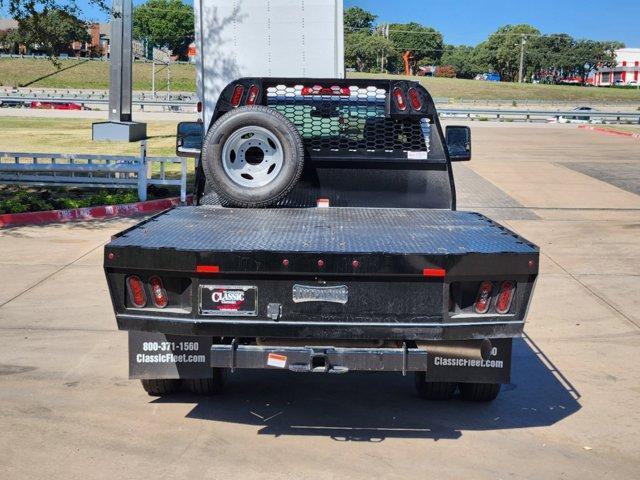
(469, 22)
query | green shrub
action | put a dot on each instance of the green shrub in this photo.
(20, 200)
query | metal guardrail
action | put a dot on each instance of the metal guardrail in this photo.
(84, 170)
(497, 113)
(529, 115)
(97, 100)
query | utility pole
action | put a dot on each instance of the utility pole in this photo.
(523, 41)
(384, 30)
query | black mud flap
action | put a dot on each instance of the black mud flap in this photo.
(157, 356)
(496, 369)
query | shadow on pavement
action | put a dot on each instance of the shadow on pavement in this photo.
(372, 407)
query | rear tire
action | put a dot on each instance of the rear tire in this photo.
(159, 387)
(209, 386)
(433, 390)
(479, 392)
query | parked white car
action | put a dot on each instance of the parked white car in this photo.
(589, 118)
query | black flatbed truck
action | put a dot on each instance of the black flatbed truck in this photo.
(365, 266)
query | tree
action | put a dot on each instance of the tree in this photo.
(464, 60)
(551, 57)
(51, 31)
(8, 42)
(34, 16)
(418, 44)
(363, 51)
(358, 20)
(165, 24)
(501, 51)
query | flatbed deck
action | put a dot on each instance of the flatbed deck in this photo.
(325, 231)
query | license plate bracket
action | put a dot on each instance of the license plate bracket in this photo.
(228, 300)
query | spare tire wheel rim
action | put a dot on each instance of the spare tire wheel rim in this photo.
(252, 157)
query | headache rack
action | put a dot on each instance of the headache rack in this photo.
(346, 121)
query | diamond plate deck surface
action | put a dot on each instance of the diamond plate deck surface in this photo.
(331, 230)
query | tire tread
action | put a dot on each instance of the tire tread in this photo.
(159, 387)
(479, 392)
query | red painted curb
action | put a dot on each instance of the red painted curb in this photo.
(608, 131)
(89, 213)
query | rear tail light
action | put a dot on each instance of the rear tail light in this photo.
(414, 98)
(505, 297)
(320, 90)
(398, 94)
(158, 293)
(137, 294)
(199, 107)
(483, 299)
(253, 95)
(236, 98)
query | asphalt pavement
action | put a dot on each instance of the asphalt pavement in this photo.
(68, 410)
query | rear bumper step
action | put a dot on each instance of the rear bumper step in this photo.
(301, 330)
(319, 359)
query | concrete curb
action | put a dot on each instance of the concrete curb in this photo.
(89, 213)
(608, 131)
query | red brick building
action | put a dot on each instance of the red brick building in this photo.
(97, 46)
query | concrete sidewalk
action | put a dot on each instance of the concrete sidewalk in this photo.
(67, 409)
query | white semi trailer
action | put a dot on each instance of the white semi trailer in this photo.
(265, 38)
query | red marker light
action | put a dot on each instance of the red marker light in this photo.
(355, 264)
(505, 297)
(398, 94)
(285, 262)
(321, 263)
(137, 294)
(208, 269)
(236, 98)
(320, 90)
(414, 98)
(483, 300)
(434, 272)
(252, 96)
(158, 293)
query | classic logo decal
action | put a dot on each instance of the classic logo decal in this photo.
(228, 297)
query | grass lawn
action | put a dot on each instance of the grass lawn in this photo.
(457, 88)
(58, 135)
(74, 136)
(84, 74)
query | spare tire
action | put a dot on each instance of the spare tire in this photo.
(252, 157)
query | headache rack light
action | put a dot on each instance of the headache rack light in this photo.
(334, 90)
